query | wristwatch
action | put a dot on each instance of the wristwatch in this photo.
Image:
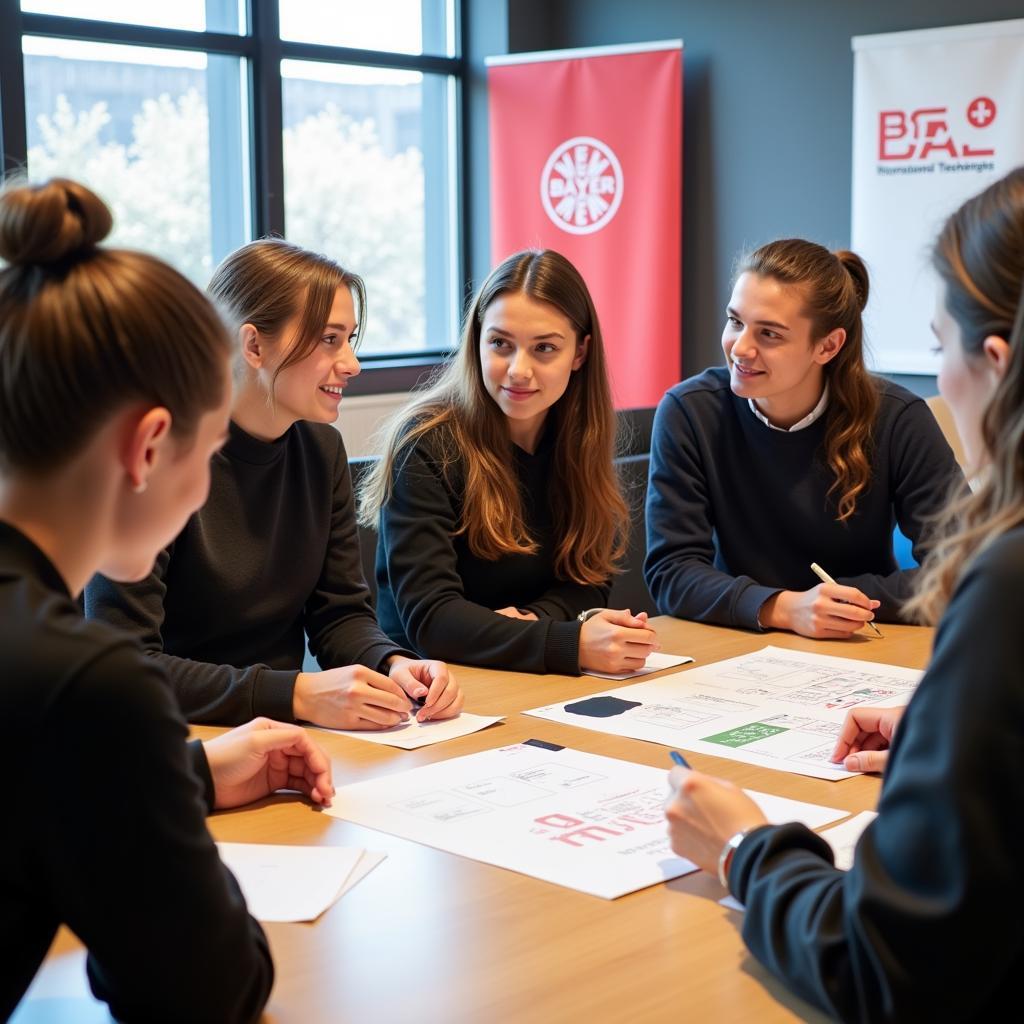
(588, 614)
(725, 857)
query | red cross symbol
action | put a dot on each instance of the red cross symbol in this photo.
(981, 112)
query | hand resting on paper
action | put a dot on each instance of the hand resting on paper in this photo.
(263, 756)
(431, 682)
(864, 740)
(614, 640)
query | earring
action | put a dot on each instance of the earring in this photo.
(139, 487)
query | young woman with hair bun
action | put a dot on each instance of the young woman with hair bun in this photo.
(792, 454)
(115, 388)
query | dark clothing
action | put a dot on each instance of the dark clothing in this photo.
(272, 553)
(439, 598)
(929, 922)
(106, 829)
(737, 511)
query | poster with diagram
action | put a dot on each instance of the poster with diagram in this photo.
(773, 708)
(591, 823)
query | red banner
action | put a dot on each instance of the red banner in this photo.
(586, 159)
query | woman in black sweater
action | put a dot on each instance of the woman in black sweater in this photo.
(499, 512)
(114, 386)
(273, 555)
(789, 455)
(929, 922)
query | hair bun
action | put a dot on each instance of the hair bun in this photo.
(56, 222)
(857, 270)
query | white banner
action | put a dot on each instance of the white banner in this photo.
(937, 116)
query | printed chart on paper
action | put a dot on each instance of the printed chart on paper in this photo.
(774, 708)
(591, 823)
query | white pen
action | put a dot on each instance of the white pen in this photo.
(825, 578)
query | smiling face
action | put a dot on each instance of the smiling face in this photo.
(772, 356)
(528, 352)
(268, 402)
(311, 389)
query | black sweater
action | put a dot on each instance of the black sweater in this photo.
(273, 552)
(929, 922)
(105, 827)
(737, 511)
(439, 598)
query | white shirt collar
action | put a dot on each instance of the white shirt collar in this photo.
(815, 414)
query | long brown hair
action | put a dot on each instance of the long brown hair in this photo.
(269, 281)
(591, 519)
(979, 256)
(834, 287)
(85, 330)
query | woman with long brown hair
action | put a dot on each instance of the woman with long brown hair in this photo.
(935, 891)
(497, 501)
(115, 387)
(273, 554)
(791, 454)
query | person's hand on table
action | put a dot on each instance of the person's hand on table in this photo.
(432, 682)
(262, 757)
(703, 813)
(614, 640)
(828, 611)
(352, 697)
(865, 738)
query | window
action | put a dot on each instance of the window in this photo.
(363, 149)
(135, 125)
(209, 122)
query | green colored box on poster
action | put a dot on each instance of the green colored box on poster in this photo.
(744, 734)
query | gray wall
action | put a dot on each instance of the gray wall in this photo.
(768, 95)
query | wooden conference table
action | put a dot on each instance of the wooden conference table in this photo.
(431, 937)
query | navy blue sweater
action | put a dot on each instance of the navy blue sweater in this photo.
(928, 925)
(737, 511)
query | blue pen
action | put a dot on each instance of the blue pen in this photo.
(679, 759)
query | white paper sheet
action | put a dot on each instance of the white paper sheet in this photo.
(367, 862)
(291, 883)
(842, 838)
(773, 708)
(656, 662)
(591, 823)
(411, 734)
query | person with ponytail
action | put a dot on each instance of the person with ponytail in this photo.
(273, 555)
(935, 891)
(792, 454)
(115, 388)
(499, 511)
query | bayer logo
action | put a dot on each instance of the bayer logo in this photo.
(581, 185)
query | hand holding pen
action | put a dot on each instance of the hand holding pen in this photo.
(828, 611)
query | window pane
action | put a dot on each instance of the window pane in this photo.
(363, 147)
(139, 126)
(398, 26)
(194, 15)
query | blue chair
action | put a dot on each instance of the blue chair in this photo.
(902, 549)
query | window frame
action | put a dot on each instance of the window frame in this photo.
(262, 49)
